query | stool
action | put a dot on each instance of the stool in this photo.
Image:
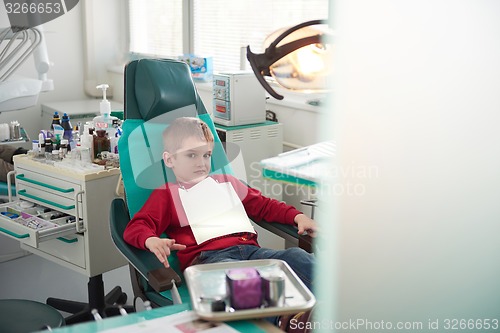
(19, 315)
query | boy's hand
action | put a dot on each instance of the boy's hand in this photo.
(162, 248)
(304, 223)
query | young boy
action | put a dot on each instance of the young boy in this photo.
(200, 224)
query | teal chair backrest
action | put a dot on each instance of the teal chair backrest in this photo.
(157, 92)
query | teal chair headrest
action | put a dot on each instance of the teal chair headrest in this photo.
(161, 86)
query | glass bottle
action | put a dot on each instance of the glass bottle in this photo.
(101, 142)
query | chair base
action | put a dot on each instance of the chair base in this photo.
(107, 305)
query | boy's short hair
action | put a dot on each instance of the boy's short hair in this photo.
(182, 128)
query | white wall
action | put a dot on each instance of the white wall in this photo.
(105, 46)
(64, 41)
(416, 96)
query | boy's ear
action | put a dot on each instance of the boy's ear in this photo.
(167, 159)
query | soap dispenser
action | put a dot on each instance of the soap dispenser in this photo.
(105, 120)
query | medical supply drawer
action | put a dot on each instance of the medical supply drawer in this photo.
(29, 225)
(44, 189)
(69, 248)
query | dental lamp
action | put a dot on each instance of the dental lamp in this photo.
(297, 58)
(15, 47)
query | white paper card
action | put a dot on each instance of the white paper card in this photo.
(213, 210)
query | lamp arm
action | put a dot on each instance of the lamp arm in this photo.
(294, 28)
(256, 62)
(260, 63)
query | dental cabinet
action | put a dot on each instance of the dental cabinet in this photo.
(69, 222)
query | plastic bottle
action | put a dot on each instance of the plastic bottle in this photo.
(55, 155)
(105, 120)
(87, 140)
(55, 120)
(114, 143)
(64, 147)
(41, 151)
(76, 135)
(48, 145)
(68, 129)
(41, 144)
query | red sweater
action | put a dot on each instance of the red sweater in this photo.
(159, 215)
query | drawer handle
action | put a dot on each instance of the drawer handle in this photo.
(66, 240)
(80, 227)
(23, 193)
(8, 232)
(36, 182)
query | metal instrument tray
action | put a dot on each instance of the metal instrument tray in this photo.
(207, 282)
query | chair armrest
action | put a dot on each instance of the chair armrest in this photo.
(142, 261)
(145, 262)
(162, 279)
(306, 243)
(288, 232)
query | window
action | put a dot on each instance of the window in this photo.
(156, 27)
(217, 28)
(222, 27)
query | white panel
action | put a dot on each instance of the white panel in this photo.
(417, 103)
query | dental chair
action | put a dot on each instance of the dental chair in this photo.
(156, 92)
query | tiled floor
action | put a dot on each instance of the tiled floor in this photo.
(35, 278)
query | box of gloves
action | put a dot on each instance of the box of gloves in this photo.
(201, 67)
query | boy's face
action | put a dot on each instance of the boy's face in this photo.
(191, 162)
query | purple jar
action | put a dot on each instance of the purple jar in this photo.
(244, 287)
